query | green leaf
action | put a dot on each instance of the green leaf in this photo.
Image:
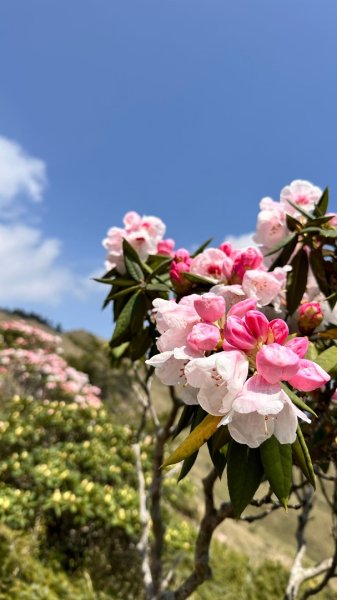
(297, 280)
(198, 279)
(322, 205)
(283, 243)
(123, 322)
(194, 441)
(157, 287)
(300, 450)
(119, 351)
(297, 400)
(134, 269)
(293, 224)
(318, 268)
(161, 267)
(300, 210)
(217, 448)
(328, 359)
(139, 344)
(277, 463)
(186, 418)
(329, 233)
(187, 465)
(286, 253)
(119, 281)
(312, 352)
(202, 248)
(124, 292)
(134, 265)
(244, 475)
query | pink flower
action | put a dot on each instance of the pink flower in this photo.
(310, 316)
(302, 193)
(250, 258)
(271, 225)
(212, 264)
(261, 410)
(299, 345)
(238, 335)
(309, 376)
(279, 330)
(165, 247)
(175, 321)
(210, 307)
(277, 363)
(143, 233)
(264, 286)
(219, 377)
(181, 264)
(203, 336)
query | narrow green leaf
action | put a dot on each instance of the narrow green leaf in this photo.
(329, 233)
(161, 267)
(312, 352)
(157, 287)
(139, 344)
(283, 258)
(300, 449)
(202, 248)
(293, 224)
(283, 243)
(124, 292)
(187, 465)
(297, 280)
(198, 279)
(131, 257)
(194, 441)
(244, 475)
(119, 351)
(322, 205)
(134, 269)
(318, 268)
(297, 400)
(300, 210)
(328, 359)
(277, 463)
(186, 418)
(123, 322)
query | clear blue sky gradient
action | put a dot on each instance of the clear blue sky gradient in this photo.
(190, 110)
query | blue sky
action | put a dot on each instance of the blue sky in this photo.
(190, 110)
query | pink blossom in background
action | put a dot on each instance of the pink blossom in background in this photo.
(143, 233)
(302, 193)
(166, 247)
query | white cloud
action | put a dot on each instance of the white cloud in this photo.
(30, 268)
(241, 241)
(20, 174)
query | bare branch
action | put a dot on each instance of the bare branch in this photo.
(144, 517)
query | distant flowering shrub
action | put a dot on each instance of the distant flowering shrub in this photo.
(30, 359)
(244, 335)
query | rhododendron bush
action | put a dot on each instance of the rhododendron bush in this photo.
(246, 341)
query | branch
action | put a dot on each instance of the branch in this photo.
(144, 517)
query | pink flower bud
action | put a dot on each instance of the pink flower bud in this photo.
(239, 309)
(276, 363)
(165, 247)
(299, 345)
(237, 334)
(257, 324)
(181, 264)
(310, 316)
(203, 336)
(309, 376)
(226, 247)
(210, 307)
(279, 331)
(248, 259)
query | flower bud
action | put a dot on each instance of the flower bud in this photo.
(248, 259)
(181, 264)
(210, 307)
(279, 331)
(238, 335)
(310, 316)
(257, 324)
(165, 247)
(203, 336)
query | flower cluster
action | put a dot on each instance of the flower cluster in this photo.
(144, 234)
(226, 356)
(31, 358)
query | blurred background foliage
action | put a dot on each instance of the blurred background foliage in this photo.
(69, 499)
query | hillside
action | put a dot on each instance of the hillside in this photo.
(273, 538)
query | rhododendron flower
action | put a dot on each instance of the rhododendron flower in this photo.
(250, 258)
(310, 316)
(212, 264)
(219, 377)
(210, 307)
(265, 286)
(175, 321)
(143, 233)
(261, 410)
(166, 247)
(302, 193)
(271, 225)
(181, 264)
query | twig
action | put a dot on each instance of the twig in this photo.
(144, 517)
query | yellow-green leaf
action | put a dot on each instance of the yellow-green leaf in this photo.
(194, 440)
(328, 359)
